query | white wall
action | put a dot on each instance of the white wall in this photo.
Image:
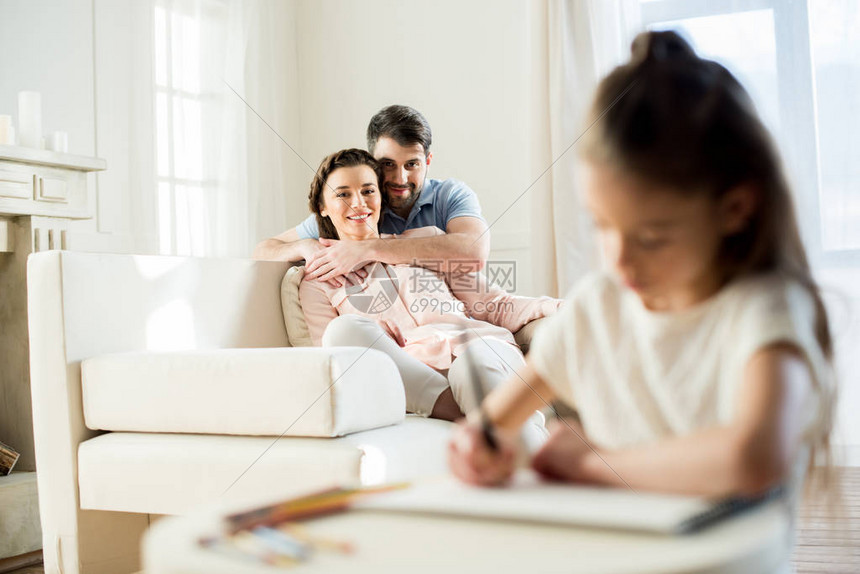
(46, 46)
(469, 67)
(122, 54)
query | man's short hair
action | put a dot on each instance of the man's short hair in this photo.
(403, 124)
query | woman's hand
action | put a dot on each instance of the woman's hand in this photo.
(336, 260)
(310, 249)
(473, 461)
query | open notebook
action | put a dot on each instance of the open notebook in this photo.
(528, 498)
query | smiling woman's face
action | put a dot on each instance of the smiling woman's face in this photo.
(352, 202)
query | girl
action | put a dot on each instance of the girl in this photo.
(423, 319)
(700, 363)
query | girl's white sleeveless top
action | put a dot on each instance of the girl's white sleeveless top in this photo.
(636, 376)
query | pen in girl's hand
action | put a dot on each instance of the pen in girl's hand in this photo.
(487, 430)
(478, 386)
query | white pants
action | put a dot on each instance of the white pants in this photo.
(495, 360)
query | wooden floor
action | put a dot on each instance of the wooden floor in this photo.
(828, 541)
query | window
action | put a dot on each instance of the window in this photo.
(179, 129)
(800, 62)
(835, 43)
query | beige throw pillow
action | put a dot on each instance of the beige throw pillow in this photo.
(294, 317)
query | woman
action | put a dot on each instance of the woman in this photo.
(423, 319)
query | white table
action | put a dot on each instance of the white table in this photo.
(757, 541)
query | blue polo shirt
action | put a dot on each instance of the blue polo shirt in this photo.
(439, 202)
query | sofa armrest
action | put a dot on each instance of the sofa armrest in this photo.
(311, 392)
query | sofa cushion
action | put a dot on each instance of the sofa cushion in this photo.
(294, 317)
(172, 473)
(277, 391)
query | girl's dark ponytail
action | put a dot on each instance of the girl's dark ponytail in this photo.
(659, 47)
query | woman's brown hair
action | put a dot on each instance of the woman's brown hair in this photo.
(681, 122)
(344, 158)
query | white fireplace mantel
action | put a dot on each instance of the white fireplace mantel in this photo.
(40, 193)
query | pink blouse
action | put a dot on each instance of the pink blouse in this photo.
(435, 314)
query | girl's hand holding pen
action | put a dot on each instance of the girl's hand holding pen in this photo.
(473, 461)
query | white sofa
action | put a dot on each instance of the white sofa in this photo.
(188, 381)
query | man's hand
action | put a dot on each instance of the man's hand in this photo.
(308, 248)
(290, 248)
(336, 260)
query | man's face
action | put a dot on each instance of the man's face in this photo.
(403, 171)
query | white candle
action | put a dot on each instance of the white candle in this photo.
(59, 142)
(29, 118)
(5, 126)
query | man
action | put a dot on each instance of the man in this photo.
(399, 138)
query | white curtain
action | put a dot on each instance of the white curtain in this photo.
(201, 195)
(277, 176)
(186, 89)
(587, 38)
